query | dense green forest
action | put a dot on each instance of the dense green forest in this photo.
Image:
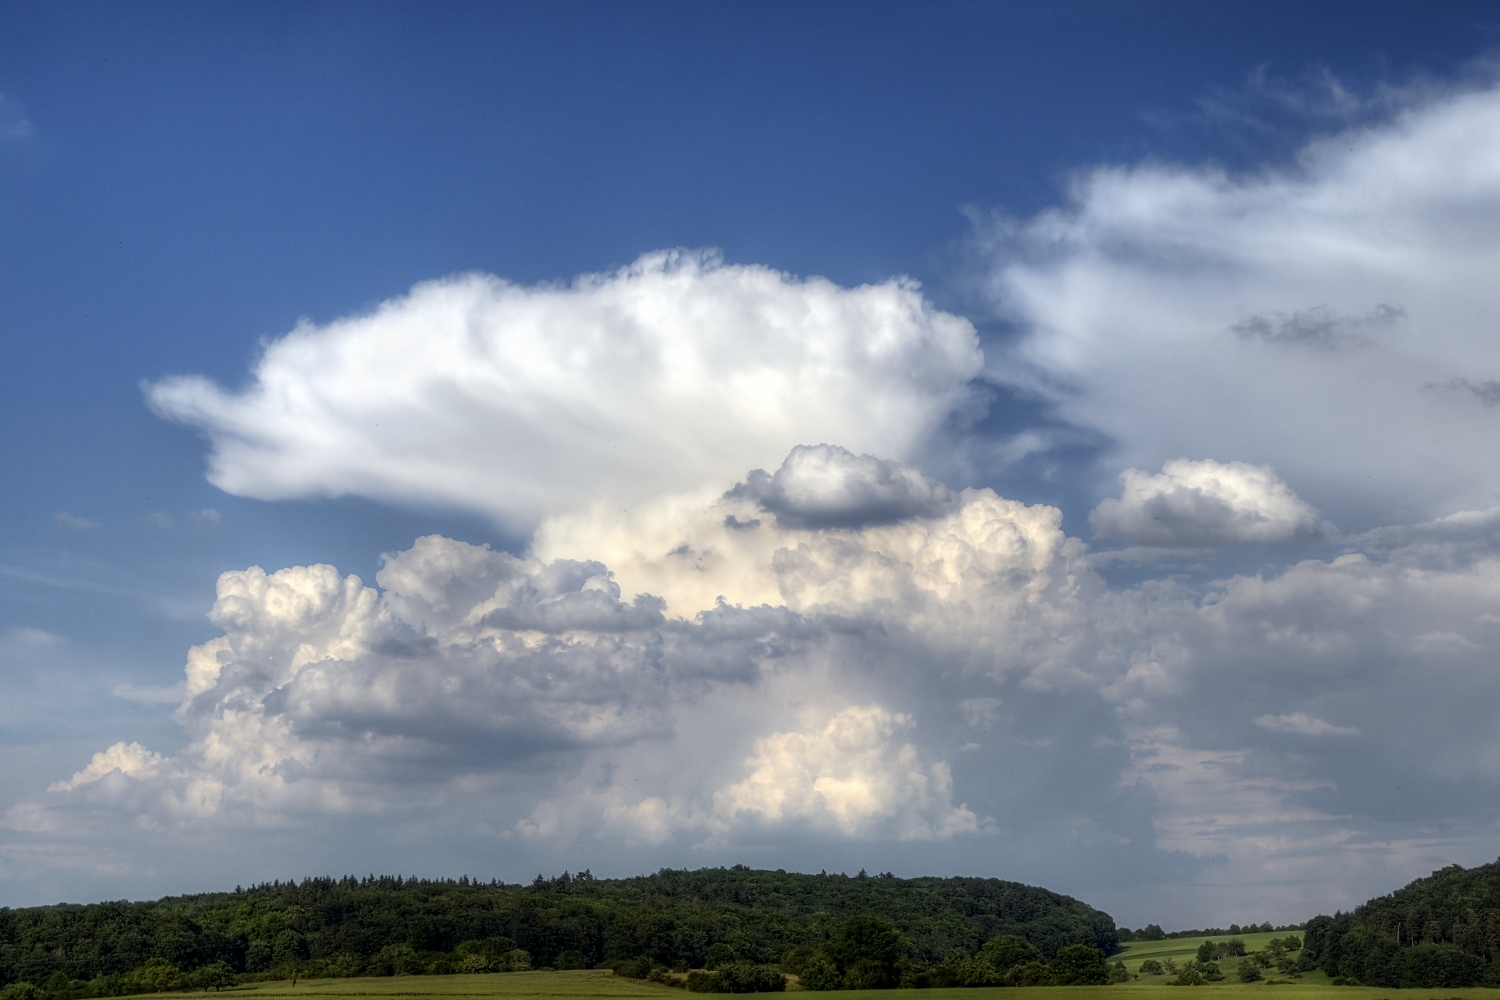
(1439, 931)
(742, 922)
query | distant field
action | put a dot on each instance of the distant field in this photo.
(1182, 949)
(1313, 986)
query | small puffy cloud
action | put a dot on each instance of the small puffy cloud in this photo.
(72, 521)
(129, 759)
(1333, 319)
(825, 486)
(676, 373)
(1303, 724)
(1206, 503)
(853, 772)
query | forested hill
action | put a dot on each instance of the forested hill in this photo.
(1443, 930)
(351, 925)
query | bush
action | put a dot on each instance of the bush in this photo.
(1118, 973)
(1079, 965)
(1151, 967)
(1249, 972)
(1208, 951)
(702, 981)
(20, 991)
(571, 959)
(394, 960)
(1189, 976)
(743, 977)
(819, 973)
(1006, 951)
(976, 971)
(158, 975)
(1030, 974)
(635, 968)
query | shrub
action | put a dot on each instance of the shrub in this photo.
(1151, 967)
(158, 975)
(1249, 972)
(1118, 973)
(635, 968)
(976, 971)
(743, 977)
(819, 973)
(214, 976)
(20, 991)
(1006, 951)
(1030, 974)
(394, 960)
(518, 960)
(1189, 976)
(571, 959)
(702, 981)
(1079, 965)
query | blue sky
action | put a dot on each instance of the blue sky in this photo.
(1102, 205)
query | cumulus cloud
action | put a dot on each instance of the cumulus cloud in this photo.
(1332, 319)
(676, 373)
(324, 693)
(852, 772)
(129, 759)
(1206, 503)
(825, 486)
(919, 682)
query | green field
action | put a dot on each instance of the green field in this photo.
(1313, 986)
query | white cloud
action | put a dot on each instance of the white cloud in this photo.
(852, 772)
(324, 694)
(72, 521)
(129, 759)
(1333, 320)
(1206, 503)
(1303, 724)
(676, 373)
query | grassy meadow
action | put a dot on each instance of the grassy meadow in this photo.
(596, 983)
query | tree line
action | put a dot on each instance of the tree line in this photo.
(737, 919)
